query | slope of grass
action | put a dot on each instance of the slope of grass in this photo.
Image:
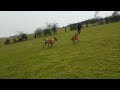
(97, 55)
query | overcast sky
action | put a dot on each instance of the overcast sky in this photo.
(12, 22)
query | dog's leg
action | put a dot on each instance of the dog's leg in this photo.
(48, 44)
(44, 44)
(51, 44)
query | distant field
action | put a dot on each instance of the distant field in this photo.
(96, 56)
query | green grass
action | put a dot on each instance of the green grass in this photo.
(96, 56)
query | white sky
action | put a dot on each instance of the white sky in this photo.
(27, 21)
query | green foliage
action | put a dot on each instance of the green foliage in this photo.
(47, 32)
(14, 40)
(73, 27)
(23, 36)
(7, 41)
(50, 27)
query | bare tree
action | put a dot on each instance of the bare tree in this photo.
(54, 27)
(38, 32)
(96, 13)
(48, 25)
(47, 30)
(115, 13)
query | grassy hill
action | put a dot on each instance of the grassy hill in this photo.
(96, 56)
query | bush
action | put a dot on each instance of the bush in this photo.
(14, 40)
(47, 32)
(19, 39)
(7, 41)
(23, 36)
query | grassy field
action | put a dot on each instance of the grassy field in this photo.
(96, 56)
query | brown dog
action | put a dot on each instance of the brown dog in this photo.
(49, 41)
(74, 38)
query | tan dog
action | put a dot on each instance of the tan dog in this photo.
(49, 41)
(74, 38)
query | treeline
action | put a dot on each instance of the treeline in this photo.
(17, 38)
(51, 28)
(100, 21)
(97, 21)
